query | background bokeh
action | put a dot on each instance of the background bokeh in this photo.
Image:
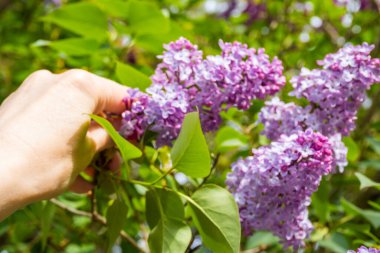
(107, 37)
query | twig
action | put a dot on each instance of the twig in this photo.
(331, 31)
(215, 162)
(98, 218)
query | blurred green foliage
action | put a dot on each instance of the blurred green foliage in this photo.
(120, 40)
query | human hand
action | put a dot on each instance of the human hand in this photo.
(46, 135)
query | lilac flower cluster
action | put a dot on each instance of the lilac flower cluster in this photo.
(364, 249)
(273, 187)
(335, 93)
(184, 82)
(338, 89)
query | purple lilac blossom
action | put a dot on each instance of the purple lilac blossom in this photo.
(248, 74)
(273, 187)
(364, 249)
(281, 118)
(134, 120)
(337, 90)
(184, 82)
(166, 111)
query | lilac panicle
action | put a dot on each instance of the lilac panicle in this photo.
(273, 187)
(185, 82)
(281, 118)
(364, 249)
(337, 90)
(241, 74)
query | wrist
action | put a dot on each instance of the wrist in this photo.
(15, 192)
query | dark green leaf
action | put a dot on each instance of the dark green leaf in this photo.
(83, 18)
(132, 77)
(190, 153)
(165, 214)
(372, 216)
(375, 144)
(47, 217)
(167, 201)
(116, 217)
(216, 216)
(127, 150)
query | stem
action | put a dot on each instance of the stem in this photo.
(215, 162)
(98, 218)
(162, 177)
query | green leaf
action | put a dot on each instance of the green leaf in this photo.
(132, 77)
(115, 8)
(169, 236)
(190, 153)
(83, 18)
(259, 239)
(365, 182)
(167, 201)
(216, 216)
(116, 217)
(146, 18)
(47, 217)
(375, 144)
(335, 243)
(72, 46)
(320, 201)
(372, 216)
(165, 214)
(127, 150)
(353, 149)
(228, 138)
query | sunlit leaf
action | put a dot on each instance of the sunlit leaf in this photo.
(365, 182)
(83, 18)
(190, 153)
(127, 150)
(132, 77)
(216, 216)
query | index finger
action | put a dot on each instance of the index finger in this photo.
(108, 94)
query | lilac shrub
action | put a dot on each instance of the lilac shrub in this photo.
(185, 82)
(273, 187)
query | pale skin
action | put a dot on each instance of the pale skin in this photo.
(46, 135)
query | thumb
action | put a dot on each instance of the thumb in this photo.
(99, 137)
